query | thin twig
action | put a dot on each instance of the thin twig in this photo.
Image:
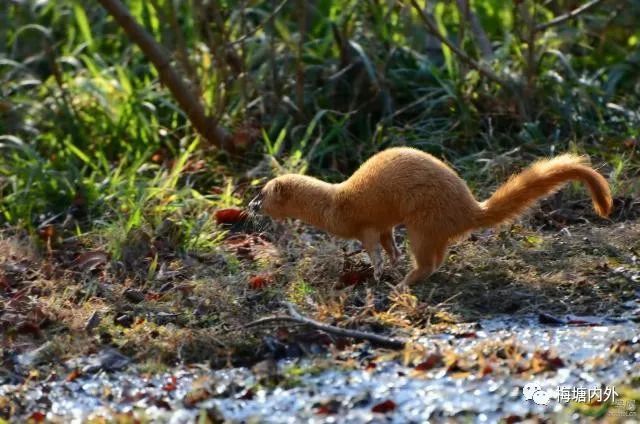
(260, 26)
(569, 15)
(431, 27)
(296, 318)
(180, 45)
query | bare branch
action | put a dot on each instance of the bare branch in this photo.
(479, 35)
(266, 21)
(296, 318)
(188, 102)
(431, 27)
(570, 15)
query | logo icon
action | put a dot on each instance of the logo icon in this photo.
(533, 391)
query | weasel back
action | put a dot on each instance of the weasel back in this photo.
(401, 185)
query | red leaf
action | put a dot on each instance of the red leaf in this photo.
(486, 370)
(4, 283)
(28, 327)
(73, 375)
(47, 232)
(352, 278)
(37, 416)
(171, 385)
(430, 362)
(230, 215)
(384, 407)
(258, 282)
(329, 407)
(159, 155)
(152, 296)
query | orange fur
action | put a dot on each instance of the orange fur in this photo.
(406, 186)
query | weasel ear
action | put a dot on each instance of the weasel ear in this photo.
(279, 190)
(278, 187)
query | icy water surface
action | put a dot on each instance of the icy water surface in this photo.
(388, 392)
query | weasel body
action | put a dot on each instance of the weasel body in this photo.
(407, 186)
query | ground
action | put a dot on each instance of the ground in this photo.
(191, 307)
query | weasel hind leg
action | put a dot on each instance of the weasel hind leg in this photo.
(428, 256)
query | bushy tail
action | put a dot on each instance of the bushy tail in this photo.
(540, 179)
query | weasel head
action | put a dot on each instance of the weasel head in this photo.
(275, 197)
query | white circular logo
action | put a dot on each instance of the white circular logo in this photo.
(533, 391)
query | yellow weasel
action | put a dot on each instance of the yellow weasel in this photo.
(406, 186)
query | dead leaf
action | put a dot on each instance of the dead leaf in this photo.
(433, 360)
(384, 407)
(73, 375)
(545, 318)
(194, 166)
(584, 320)
(258, 282)
(47, 232)
(196, 396)
(328, 407)
(545, 361)
(247, 395)
(252, 246)
(171, 385)
(466, 335)
(230, 215)
(355, 277)
(630, 143)
(133, 296)
(512, 419)
(92, 322)
(28, 327)
(159, 155)
(124, 320)
(153, 296)
(37, 417)
(89, 261)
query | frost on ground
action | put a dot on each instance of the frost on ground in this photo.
(478, 374)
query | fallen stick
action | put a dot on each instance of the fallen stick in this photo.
(295, 317)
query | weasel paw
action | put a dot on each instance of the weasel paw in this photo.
(377, 273)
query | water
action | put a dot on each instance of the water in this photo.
(348, 394)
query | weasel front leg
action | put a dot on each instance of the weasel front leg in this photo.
(371, 243)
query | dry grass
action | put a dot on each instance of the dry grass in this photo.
(194, 309)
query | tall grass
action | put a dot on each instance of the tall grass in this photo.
(87, 131)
